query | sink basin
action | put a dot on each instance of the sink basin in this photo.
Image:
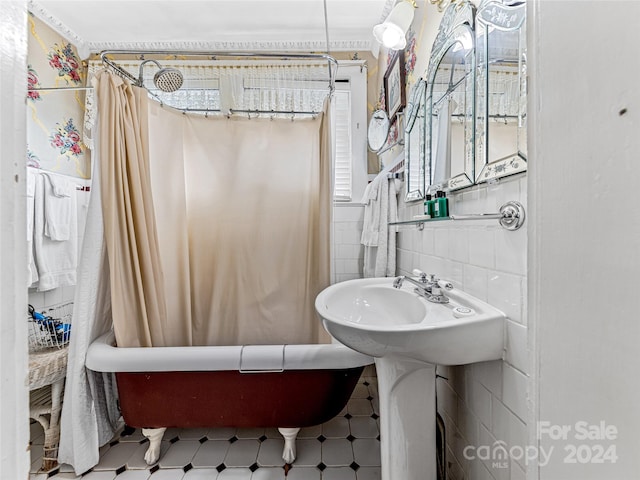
(408, 336)
(371, 316)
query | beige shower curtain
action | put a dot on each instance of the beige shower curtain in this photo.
(234, 216)
(139, 312)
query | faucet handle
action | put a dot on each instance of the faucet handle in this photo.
(445, 285)
(420, 274)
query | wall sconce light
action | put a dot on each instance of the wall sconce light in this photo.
(391, 33)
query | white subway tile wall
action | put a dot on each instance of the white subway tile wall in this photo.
(348, 253)
(484, 403)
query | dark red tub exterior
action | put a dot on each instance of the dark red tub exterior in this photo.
(296, 398)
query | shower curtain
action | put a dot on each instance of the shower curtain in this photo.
(129, 220)
(253, 246)
(90, 414)
(193, 164)
(217, 229)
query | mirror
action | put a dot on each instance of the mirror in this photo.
(414, 143)
(450, 103)
(378, 130)
(501, 109)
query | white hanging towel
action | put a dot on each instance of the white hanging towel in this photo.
(59, 208)
(32, 270)
(56, 260)
(378, 239)
(370, 224)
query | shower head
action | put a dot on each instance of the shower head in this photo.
(166, 79)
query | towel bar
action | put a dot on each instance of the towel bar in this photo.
(511, 217)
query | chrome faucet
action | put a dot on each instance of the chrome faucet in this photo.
(421, 283)
(427, 286)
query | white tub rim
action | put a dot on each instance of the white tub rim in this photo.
(104, 356)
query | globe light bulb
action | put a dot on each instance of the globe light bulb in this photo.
(391, 36)
(391, 33)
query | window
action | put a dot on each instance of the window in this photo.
(350, 116)
(342, 187)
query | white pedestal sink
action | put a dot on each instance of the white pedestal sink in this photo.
(408, 336)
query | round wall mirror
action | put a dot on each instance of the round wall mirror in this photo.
(378, 130)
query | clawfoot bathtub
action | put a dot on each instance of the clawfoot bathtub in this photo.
(283, 386)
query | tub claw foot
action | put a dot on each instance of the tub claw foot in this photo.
(155, 438)
(289, 452)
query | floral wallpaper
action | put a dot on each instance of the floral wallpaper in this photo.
(66, 138)
(55, 117)
(410, 57)
(63, 59)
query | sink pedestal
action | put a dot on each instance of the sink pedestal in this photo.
(407, 392)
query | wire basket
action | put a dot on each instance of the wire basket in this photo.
(50, 328)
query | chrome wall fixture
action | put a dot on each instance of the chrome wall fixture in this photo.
(166, 79)
(510, 217)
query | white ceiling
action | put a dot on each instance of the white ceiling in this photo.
(232, 25)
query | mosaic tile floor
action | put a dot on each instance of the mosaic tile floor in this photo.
(344, 448)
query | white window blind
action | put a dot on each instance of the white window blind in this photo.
(342, 134)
